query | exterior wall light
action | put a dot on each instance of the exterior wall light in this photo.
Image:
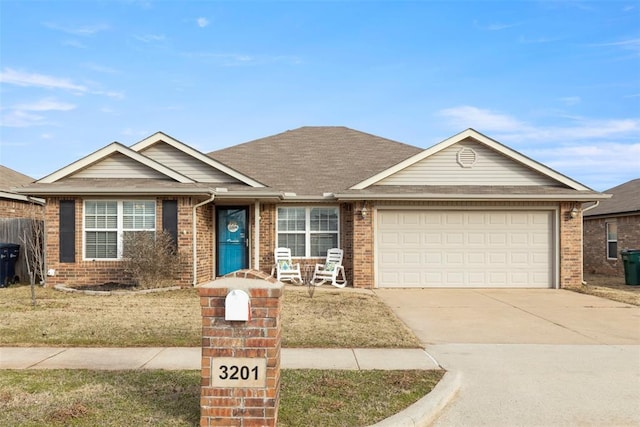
(364, 211)
(574, 212)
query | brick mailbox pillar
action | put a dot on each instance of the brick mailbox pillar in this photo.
(240, 383)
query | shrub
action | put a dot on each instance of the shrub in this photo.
(151, 259)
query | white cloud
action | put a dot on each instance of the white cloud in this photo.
(18, 78)
(604, 151)
(101, 68)
(150, 38)
(495, 26)
(467, 116)
(571, 100)
(604, 164)
(46, 104)
(137, 133)
(504, 126)
(202, 22)
(84, 30)
(21, 119)
(22, 115)
(74, 43)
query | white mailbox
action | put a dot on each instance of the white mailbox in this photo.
(237, 306)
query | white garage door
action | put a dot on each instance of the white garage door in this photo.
(494, 249)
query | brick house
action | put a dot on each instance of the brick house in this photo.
(466, 212)
(610, 227)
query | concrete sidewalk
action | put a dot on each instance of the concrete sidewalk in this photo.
(173, 358)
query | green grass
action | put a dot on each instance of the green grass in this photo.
(171, 398)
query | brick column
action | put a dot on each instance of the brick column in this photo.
(363, 249)
(570, 246)
(240, 384)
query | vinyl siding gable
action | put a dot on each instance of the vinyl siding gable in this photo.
(483, 166)
(119, 166)
(186, 164)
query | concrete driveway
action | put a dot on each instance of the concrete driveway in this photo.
(529, 357)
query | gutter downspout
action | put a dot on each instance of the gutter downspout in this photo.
(194, 231)
(584, 282)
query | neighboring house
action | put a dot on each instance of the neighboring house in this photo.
(467, 212)
(12, 204)
(16, 213)
(610, 227)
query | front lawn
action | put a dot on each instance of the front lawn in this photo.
(172, 398)
(331, 318)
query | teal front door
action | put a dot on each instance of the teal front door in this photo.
(232, 239)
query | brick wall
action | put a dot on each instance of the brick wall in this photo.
(17, 209)
(570, 246)
(204, 242)
(595, 243)
(89, 272)
(267, 236)
(363, 233)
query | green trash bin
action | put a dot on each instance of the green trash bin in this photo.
(631, 261)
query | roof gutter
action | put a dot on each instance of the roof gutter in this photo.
(588, 208)
(471, 197)
(194, 236)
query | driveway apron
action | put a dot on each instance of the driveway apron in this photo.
(538, 357)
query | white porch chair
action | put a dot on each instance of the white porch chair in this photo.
(331, 270)
(285, 269)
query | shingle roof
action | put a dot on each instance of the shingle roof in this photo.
(10, 178)
(625, 199)
(341, 158)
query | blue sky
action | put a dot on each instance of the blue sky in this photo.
(558, 81)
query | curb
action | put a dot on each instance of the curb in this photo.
(426, 410)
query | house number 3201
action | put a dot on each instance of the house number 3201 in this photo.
(235, 372)
(238, 372)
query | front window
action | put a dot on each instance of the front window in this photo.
(612, 240)
(106, 222)
(308, 231)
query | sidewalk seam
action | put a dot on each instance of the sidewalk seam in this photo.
(152, 357)
(47, 358)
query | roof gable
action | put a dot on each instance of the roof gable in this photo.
(115, 161)
(469, 158)
(314, 160)
(188, 161)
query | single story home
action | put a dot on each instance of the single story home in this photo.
(610, 227)
(466, 212)
(12, 204)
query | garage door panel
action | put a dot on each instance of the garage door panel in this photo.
(465, 248)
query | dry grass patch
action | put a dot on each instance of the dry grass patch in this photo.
(69, 319)
(332, 318)
(341, 318)
(610, 287)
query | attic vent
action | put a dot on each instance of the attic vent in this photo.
(467, 157)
